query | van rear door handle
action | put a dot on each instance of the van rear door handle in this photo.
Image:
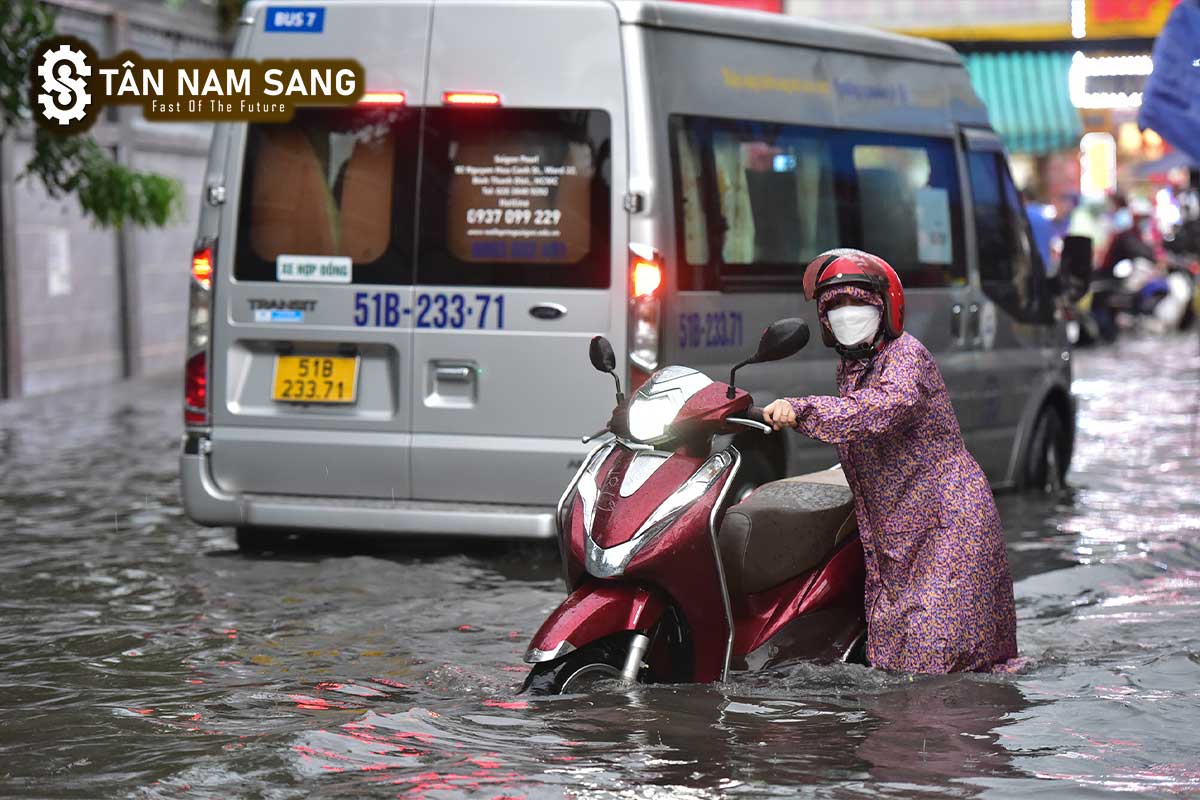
(956, 323)
(973, 321)
(548, 311)
(456, 374)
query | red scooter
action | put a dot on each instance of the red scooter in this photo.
(666, 583)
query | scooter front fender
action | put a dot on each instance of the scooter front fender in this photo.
(593, 611)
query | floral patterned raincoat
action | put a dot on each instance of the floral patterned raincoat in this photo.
(939, 594)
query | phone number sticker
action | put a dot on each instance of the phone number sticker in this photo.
(710, 329)
(434, 310)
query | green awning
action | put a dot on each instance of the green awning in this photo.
(1028, 99)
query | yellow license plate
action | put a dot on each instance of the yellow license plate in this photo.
(315, 379)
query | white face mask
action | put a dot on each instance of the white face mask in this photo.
(853, 325)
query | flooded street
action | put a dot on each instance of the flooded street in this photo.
(144, 657)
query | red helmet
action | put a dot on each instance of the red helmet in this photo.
(846, 266)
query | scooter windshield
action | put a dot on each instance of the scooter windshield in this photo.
(659, 401)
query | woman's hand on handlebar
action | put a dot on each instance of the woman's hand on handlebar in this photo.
(780, 414)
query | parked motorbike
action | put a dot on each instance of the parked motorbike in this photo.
(666, 584)
(1142, 295)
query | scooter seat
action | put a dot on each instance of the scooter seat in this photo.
(783, 529)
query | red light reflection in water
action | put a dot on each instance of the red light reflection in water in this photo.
(452, 782)
(514, 705)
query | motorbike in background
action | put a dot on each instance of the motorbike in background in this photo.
(667, 584)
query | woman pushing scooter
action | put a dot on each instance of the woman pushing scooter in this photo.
(939, 594)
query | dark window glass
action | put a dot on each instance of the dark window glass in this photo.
(755, 202)
(515, 197)
(1010, 268)
(330, 183)
(909, 208)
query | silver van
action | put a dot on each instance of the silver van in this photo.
(391, 303)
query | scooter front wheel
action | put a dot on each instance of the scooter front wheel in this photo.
(581, 671)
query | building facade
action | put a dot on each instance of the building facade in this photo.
(81, 304)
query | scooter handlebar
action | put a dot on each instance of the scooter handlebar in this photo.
(753, 418)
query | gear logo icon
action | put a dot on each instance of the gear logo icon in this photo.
(63, 72)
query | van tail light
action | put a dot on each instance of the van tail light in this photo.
(645, 306)
(647, 277)
(195, 392)
(470, 99)
(202, 265)
(383, 99)
(199, 339)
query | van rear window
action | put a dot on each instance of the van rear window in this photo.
(515, 197)
(507, 197)
(332, 186)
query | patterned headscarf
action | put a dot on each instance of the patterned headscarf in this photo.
(826, 298)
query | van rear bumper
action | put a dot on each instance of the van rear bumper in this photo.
(208, 504)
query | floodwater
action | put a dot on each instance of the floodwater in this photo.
(143, 657)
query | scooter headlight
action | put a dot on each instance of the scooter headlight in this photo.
(650, 416)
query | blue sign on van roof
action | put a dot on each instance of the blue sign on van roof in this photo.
(294, 19)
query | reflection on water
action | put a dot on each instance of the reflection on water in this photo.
(143, 656)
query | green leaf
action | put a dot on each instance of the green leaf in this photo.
(110, 193)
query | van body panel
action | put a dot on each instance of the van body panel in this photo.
(532, 466)
(465, 428)
(739, 78)
(532, 378)
(1018, 357)
(767, 27)
(318, 463)
(252, 432)
(722, 77)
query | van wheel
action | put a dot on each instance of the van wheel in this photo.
(1048, 454)
(579, 672)
(256, 541)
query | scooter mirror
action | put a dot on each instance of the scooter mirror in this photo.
(781, 339)
(602, 355)
(605, 360)
(1075, 266)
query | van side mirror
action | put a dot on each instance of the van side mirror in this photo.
(1075, 267)
(600, 351)
(781, 339)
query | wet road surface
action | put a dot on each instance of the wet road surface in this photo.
(144, 657)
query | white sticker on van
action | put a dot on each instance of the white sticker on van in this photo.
(278, 315)
(314, 269)
(934, 245)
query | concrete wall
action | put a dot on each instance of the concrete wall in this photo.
(80, 304)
